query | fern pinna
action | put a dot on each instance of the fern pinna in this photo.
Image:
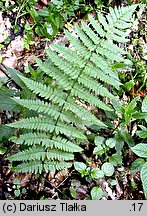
(79, 75)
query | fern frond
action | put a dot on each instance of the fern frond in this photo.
(96, 87)
(109, 55)
(112, 47)
(80, 76)
(78, 45)
(54, 154)
(96, 26)
(53, 166)
(65, 66)
(33, 139)
(70, 55)
(31, 167)
(114, 24)
(69, 130)
(96, 72)
(49, 109)
(63, 81)
(111, 31)
(116, 38)
(90, 33)
(87, 97)
(103, 65)
(83, 113)
(39, 167)
(84, 38)
(47, 92)
(47, 124)
(34, 153)
(39, 153)
(123, 16)
(66, 145)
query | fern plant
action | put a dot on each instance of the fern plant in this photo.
(80, 75)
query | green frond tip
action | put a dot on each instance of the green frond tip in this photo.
(115, 24)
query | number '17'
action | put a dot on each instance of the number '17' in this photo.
(137, 206)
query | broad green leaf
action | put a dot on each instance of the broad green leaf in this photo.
(7, 103)
(3, 79)
(44, 12)
(2, 150)
(137, 165)
(115, 159)
(35, 15)
(14, 75)
(140, 149)
(96, 173)
(5, 132)
(126, 136)
(73, 192)
(16, 181)
(99, 140)
(130, 109)
(119, 143)
(97, 193)
(108, 169)
(17, 193)
(143, 175)
(129, 85)
(144, 104)
(49, 28)
(118, 106)
(57, 2)
(142, 115)
(143, 127)
(23, 190)
(81, 168)
(131, 106)
(99, 3)
(113, 182)
(143, 132)
(110, 142)
(98, 150)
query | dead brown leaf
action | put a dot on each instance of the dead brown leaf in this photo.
(25, 180)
